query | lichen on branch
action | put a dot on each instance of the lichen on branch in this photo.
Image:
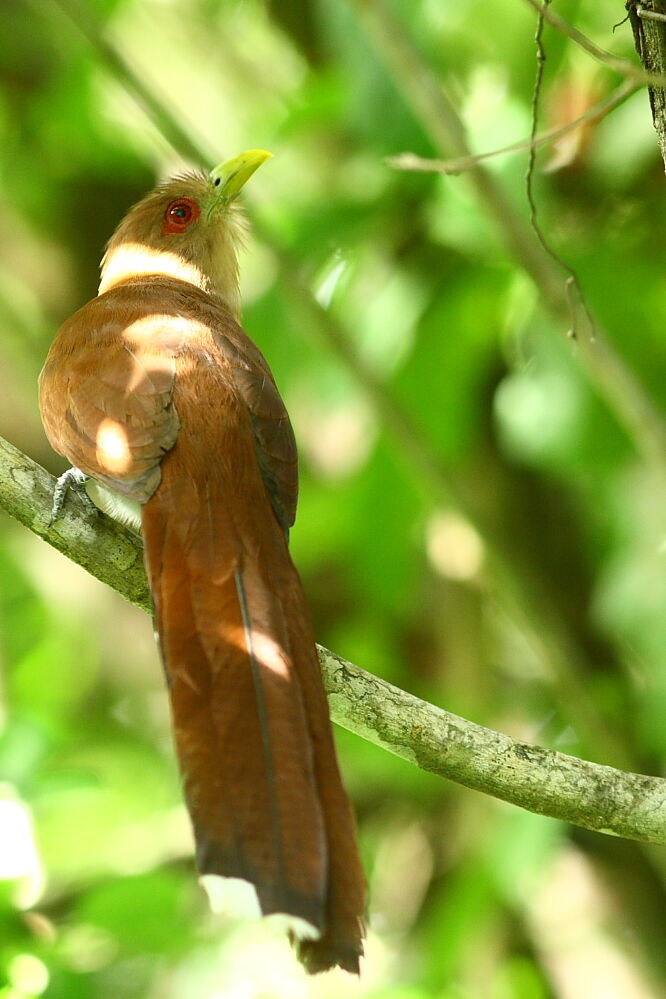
(541, 780)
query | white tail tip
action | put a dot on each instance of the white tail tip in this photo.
(237, 898)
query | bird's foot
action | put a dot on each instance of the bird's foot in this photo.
(75, 479)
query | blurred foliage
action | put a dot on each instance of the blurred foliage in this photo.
(469, 898)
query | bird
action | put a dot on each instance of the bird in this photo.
(170, 414)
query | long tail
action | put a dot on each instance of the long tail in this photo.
(250, 716)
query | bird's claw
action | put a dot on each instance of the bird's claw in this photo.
(75, 479)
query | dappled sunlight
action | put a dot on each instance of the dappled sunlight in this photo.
(335, 437)
(454, 547)
(28, 976)
(576, 928)
(480, 520)
(237, 898)
(19, 858)
(129, 259)
(402, 873)
(233, 897)
(250, 960)
(266, 650)
(270, 654)
(112, 451)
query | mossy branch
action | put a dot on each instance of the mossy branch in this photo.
(596, 797)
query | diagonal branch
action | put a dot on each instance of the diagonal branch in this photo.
(628, 69)
(424, 92)
(541, 780)
(107, 550)
(410, 161)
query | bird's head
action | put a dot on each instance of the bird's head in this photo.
(188, 228)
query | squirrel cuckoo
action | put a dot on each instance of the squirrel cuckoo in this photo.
(154, 391)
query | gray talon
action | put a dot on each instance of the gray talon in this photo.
(75, 479)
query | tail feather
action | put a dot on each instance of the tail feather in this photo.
(251, 721)
(342, 941)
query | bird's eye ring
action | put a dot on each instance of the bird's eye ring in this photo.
(180, 215)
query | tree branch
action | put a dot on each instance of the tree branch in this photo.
(541, 780)
(424, 92)
(619, 65)
(106, 549)
(410, 161)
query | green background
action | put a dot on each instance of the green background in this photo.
(470, 898)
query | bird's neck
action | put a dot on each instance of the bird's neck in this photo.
(214, 271)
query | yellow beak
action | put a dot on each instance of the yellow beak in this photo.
(229, 177)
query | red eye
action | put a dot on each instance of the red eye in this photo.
(180, 215)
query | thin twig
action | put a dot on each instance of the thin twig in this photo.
(410, 161)
(572, 284)
(605, 368)
(541, 780)
(628, 69)
(650, 15)
(534, 115)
